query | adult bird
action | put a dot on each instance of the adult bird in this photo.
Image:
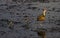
(41, 17)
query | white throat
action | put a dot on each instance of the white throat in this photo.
(44, 12)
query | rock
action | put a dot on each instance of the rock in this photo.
(6, 20)
(2, 33)
(57, 22)
(32, 8)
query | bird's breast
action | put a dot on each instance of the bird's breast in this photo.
(41, 18)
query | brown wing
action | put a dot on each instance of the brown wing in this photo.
(41, 18)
